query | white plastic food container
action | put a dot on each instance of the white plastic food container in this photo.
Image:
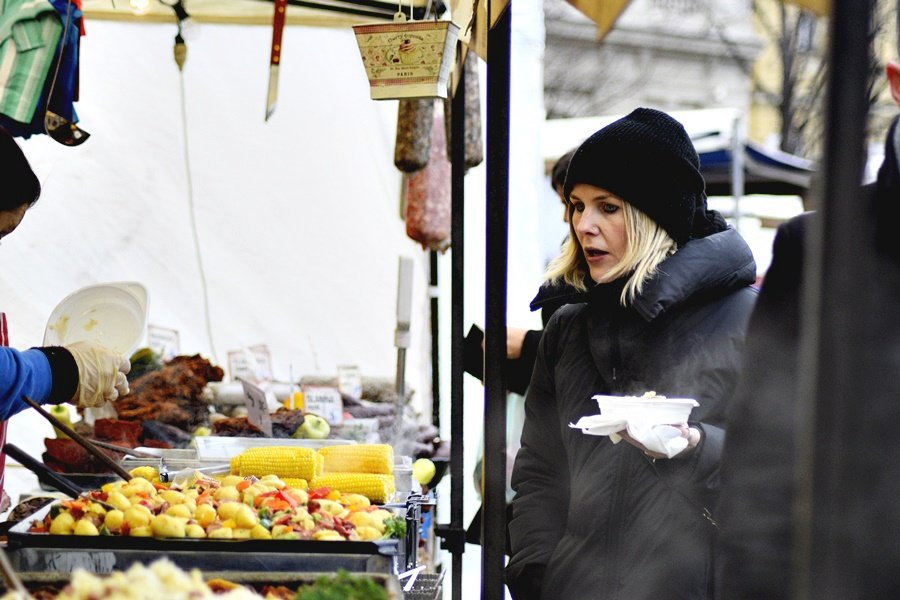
(657, 409)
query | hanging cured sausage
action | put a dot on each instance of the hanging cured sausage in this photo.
(428, 197)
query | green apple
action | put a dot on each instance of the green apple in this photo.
(313, 427)
(61, 412)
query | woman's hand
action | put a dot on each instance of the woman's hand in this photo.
(691, 434)
(101, 374)
(515, 338)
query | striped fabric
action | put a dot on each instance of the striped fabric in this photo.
(29, 34)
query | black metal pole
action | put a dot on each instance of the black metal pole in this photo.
(457, 288)
(435, 340)
(494, 461)
(832, 350)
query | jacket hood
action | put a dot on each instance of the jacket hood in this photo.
(716, 263)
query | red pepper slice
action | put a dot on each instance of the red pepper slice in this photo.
(287, 498)
(317, 493)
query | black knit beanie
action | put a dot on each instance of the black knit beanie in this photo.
(647, 159)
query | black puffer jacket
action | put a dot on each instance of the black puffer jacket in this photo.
(756, 549)
(594, 520)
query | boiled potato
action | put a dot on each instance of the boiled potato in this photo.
(173, 496)
(148, 473)
(167, 526)
(227, 510)
(222, 533)
(205, 514)
(193, 530)
(231, 480)
(179, 510)
(328, 535)
(260, 533)
(367, 534)
(227, 492)
(330, 507)
(240, 534)
(143, 531)
(245, 516)
(62, 524)
(116, 499)
(135, 517)
(85, 527)
(114, 519)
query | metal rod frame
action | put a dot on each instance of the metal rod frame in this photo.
(457, 323)
(497, 222)
(435, 340)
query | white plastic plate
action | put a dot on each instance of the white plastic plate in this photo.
(113, 315)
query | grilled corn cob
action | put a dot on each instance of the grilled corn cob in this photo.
(358, 458)
(376, 487)
(283, 461)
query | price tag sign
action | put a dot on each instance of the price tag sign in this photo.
(349, 380)
(164, 341)
(252, 364)
(325, 402)
(257, 407)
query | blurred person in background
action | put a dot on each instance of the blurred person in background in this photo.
(521, 352)
(662, 301)
(758, 470)
(82, 373)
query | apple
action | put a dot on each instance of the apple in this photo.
(313, 427)
(62, 413)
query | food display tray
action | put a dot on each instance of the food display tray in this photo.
(255, 580)
(104, 553)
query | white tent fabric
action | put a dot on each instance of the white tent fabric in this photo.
(298, 219)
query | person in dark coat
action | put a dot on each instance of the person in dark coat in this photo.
(758, 470)
(665, 310)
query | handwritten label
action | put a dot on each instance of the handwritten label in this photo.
(349, 380)
(257, 407)
(325, 402)
(165, 341)
(253, 363)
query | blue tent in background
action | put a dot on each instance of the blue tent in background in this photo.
(766, 171)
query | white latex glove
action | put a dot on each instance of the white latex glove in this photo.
(101, 373)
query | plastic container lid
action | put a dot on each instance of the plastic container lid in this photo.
(113, 315)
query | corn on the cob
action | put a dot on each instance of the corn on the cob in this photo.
(376, 487)
(283, 461)
(296, 483)
(358, 458)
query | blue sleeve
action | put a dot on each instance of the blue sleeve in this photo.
(22, 373)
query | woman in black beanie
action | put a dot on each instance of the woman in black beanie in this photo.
(663, 298)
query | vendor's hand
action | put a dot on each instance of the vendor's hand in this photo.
(515, 338)
(101, 374)
(691, 434)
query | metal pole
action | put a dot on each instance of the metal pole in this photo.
(457, 323)
(737, 168)
(497, 217)
(434, 292)
(838, 253)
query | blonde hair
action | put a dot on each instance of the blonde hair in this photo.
(647, 246)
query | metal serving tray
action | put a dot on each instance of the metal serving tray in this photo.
(255, 580)
(102, 554)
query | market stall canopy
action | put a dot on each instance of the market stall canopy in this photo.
(605, 12)
(766, 171)
(313, 13)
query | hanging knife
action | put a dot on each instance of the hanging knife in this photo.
(277, 30)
